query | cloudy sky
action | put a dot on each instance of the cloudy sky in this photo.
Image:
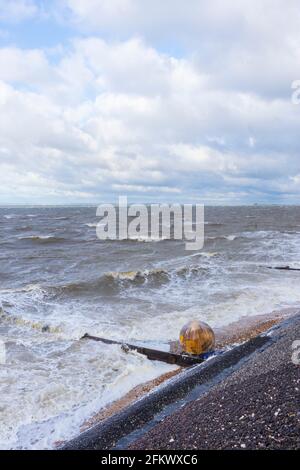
(168, 100)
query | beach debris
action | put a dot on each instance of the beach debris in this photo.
(183, 360)
(197, 337)
(282, 268)
(196, 344)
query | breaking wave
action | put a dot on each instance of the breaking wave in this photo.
(246, 235)
(230, 238)
(138, 275)
(25, 322)
(112, 282)
(109, 283)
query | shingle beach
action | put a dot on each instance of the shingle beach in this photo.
(246, 398)
(256, 407)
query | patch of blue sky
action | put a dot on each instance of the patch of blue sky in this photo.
(37, 34)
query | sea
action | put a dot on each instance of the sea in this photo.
(58, 281)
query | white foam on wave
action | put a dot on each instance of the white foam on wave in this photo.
(145, 239)
(231, 238)
(223, 237)
(26, 288)
(133, 275)
(137, 238)
(62, 387)
(260, 234)
(91, 225)
(205, 254)
(249, 302)
(36, 237)
(49, 238)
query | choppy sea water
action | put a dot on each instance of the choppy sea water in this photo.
(58, 282)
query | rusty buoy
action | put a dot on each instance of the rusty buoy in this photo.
(197, 337)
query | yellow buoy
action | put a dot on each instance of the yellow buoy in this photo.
(196, 337)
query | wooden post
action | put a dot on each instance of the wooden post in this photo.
(283, 268)
(182, 360)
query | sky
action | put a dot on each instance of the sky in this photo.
(186, 101)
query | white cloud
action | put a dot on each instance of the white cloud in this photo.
(14, 11)
(25, 66)
(118, 114)
(233, 42)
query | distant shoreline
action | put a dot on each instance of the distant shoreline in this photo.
(112, 201)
